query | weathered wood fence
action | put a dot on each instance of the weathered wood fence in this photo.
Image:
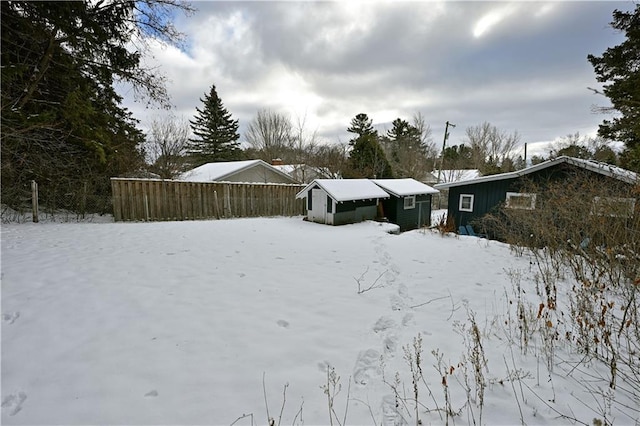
(158, 200)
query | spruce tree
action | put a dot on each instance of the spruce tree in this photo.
(361, 125)
(406, 150)
(63, 124)
(366, 159)
(216, 133)
(618, 67)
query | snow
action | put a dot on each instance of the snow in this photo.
(347, 189)
(184, 323)
(404, 187)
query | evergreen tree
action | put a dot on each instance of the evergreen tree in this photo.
(619, 67)
(458, 157)
(406, 150)
(367, 158)
(216, 132)
(62, 121)
(362, 125)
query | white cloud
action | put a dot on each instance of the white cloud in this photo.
(489, 20)
(332, 60)
(545, 9)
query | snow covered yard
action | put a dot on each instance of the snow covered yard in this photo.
(185, 323)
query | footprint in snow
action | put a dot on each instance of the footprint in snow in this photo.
(367, 366)
(407, 319)
(13, 403)
(383, 324)
(10, 318)
(397, 303)
(390, 344)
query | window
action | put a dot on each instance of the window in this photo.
(521, 200)
(466, 203)
(614, 207)
(410, 202)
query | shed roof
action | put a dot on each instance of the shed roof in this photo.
(220, 170)
(404, 187)
(346, 189)
(594, 166)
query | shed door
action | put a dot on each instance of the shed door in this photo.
(319, 206)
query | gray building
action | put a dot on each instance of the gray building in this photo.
(249, 171)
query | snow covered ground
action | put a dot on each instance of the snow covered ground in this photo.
(200, 322)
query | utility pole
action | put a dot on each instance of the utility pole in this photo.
(444, 143)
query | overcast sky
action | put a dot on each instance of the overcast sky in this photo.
(522, 66)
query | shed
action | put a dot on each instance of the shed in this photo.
(409, 204)
(342, 201)
(254, 171)
(470, 200)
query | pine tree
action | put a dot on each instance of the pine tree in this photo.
(619, 68)
(62, 121)
(362, 125)
(406, 150)
(216, 132)
(366, 159)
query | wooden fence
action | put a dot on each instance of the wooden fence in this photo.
(158, 200)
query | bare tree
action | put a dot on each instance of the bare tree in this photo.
(304, 143)
(271, 134)
(166, 144)
(330, 160)
(426, 136)
(491, 148)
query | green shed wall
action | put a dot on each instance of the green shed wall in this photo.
(355, 211)
(486, 196)
(410, 218)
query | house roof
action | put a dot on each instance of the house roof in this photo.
(404, 187)
(456, 175)
(594, 166)
(346, 189)
(220, 170)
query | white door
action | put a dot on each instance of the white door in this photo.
(318, 211)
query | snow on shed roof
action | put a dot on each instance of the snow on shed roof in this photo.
(220, 170)
(404, 187)
(346, 189)
(594, 166)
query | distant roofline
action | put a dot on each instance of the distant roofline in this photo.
(253, 163)
(248, 164)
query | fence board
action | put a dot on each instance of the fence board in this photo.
(161, 200)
